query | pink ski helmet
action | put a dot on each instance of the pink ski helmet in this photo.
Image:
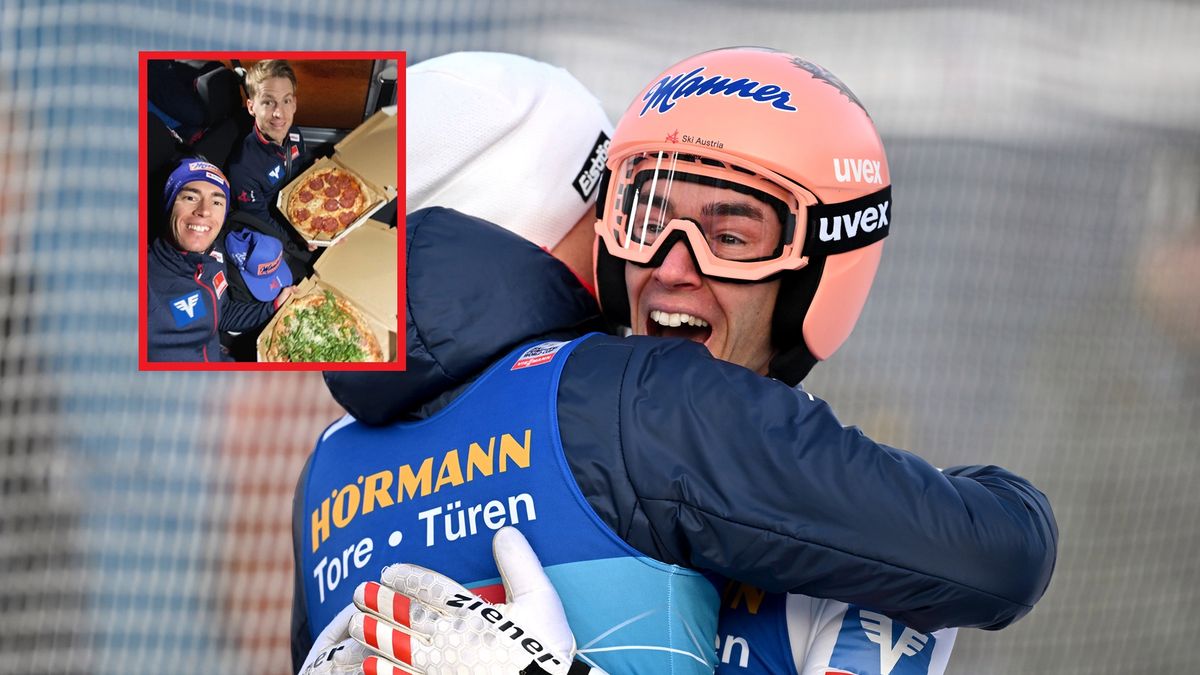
(776, 127)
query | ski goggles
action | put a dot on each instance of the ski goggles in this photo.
(738, 223)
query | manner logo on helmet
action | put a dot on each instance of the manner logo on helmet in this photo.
(667, 92)
(589, 176)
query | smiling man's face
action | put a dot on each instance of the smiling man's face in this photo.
(197, 215)
(273, 107)
(733, 320)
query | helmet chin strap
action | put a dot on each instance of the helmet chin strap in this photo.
(793, 361)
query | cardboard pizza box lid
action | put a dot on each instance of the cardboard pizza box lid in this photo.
(362, 268)
(371, 150)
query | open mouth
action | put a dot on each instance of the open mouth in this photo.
(678, 325)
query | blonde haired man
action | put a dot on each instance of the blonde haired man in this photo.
(271, 155)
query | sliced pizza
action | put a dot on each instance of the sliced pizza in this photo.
(326, 203)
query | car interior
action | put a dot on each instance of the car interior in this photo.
(197, 107)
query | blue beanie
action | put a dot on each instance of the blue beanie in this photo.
(191, 169)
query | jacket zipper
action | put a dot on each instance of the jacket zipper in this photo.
(211, 294)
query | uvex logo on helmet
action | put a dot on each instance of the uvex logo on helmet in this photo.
(667, 91)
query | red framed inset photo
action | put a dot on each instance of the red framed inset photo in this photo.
(271, 211)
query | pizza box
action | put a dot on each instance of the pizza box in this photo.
(361, 269)
(369, 152)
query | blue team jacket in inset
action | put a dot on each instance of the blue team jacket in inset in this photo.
(433, 493)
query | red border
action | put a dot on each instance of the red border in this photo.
(145, 365)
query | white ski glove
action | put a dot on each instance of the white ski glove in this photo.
(335, 652)
(424, 623)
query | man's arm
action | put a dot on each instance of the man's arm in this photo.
(238, 316)
(723, 470)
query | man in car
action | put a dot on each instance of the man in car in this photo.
(188, 300)
(270, 156)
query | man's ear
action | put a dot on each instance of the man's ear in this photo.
(250, 106)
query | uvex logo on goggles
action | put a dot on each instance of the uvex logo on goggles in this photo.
(669, 90)
(837, 228)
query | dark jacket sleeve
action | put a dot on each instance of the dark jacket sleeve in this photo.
(721, 469)
(238, 316)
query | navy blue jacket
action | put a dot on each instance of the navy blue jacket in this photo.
(258, 170)
(188, 304)
(703, 463)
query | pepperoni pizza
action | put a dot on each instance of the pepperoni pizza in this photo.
(326, 203)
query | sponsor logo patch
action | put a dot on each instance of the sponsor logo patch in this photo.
(294, 137)
(589, 176)
(870, 642)
(246, 196)
(538, 355)
(216, 255)
(200, 166)
(187, 308)
(268, 267)
(214, 177)
(219, 283)
(668, 91)
(295, 151)
(275, 173)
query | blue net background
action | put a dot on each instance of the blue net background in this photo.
(1037, 307)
